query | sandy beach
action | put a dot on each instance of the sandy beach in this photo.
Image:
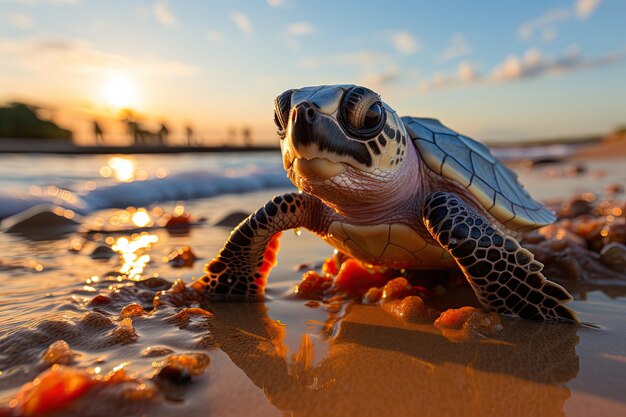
(93, 286)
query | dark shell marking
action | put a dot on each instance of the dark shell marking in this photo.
(504, 276)
(241, 268)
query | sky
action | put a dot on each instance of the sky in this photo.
(494, 70)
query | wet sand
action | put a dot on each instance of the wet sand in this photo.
(284, 356)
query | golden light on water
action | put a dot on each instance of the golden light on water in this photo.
(141, 218)
(123, 169)
(130, 250)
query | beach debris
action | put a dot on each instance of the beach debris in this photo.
(613, 255)
(462, 323)
(181, 258)
(125, 333)
(52, 390)
(575, 207)
(102, 252)
(155, 351)
(132, 310)
(614, 188)
(178, 222)
(43, 221)
(372, 296)
(182, 367)
(410, 309)
(62, 388)
(176, 372)
(232, 219)
(396, 289)
(355, 278)
(313, 285)
(59, 353)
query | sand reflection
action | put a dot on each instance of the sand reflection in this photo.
(376, 365)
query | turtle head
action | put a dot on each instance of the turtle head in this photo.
(339, 141)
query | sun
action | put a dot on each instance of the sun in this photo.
(120, 91)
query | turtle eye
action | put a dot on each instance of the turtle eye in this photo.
(362, 112)
(282, 105)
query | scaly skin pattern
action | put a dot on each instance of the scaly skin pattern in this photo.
(241, 268)
(504, 276)
(423, 197)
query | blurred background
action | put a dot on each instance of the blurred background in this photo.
(204, 73)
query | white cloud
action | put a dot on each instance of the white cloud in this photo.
(533, 64)
(20, 21)
(459, 46)
(79, 56)
(299, 29)
(546, 20)
(585, 8)
(404, 42)
(242, 22)
(275, 3)
(163, 14)
(214, 36)
(545, 24)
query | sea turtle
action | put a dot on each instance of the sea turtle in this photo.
(403, 192)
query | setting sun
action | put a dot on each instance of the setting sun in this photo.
(120, 92)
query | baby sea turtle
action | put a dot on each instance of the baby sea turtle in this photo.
(400, 192)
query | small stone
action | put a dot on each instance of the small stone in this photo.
(613, 255)
(181, 368)
(132, 310)
(155, 351)
(411, 309)
(372, 296)
(575, 207)
(100, 299)
(181, 258)
(396, 289)
(102, 252)
(125, 332)
(60, 353)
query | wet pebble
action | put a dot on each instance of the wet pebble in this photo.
(59, 353)
(155, 351)
(102, 252)
(613, 255)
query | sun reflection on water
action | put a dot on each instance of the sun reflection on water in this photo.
(122, 168)
(131, 251)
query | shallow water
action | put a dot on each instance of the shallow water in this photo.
(281, 357)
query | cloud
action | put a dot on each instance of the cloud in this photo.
(459, 46)
(79, 56)
(585, 8)
(545, 23)
(546, 20)
(275, 3)
(299, 29)
(242, 22)
(404, 42)
(214, 36)
(533, 64)
(20, 21)
(163, 14)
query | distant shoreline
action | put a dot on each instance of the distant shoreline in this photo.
(15, 146)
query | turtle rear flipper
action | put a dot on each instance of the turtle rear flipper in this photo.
(504, 276)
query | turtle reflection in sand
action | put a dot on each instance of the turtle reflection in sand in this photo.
(379, 365)
(400, 192)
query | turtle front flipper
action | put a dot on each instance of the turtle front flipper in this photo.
(504, 276)
(240, 269)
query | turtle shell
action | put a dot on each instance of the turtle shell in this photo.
(470, 164)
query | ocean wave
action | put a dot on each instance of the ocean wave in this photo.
(179, 187)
